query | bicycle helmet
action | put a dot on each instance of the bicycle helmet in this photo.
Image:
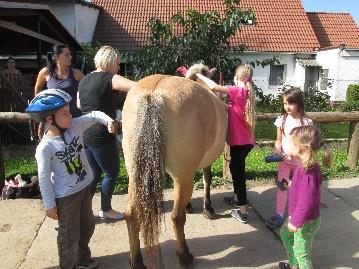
(46, 103)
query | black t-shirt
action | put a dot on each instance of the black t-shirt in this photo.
(96, 94)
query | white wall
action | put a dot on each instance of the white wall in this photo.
(292, 75)
(65, 13)
(343, 70)
(86, 19)
(348, 72)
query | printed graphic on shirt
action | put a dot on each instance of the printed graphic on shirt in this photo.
(70, 157)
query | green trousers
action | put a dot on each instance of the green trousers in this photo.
(298, 245)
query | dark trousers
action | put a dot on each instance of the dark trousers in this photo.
(76, 226)
(237, 167)
(104, 159)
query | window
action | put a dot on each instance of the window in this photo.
(324, 79)
(276, 75)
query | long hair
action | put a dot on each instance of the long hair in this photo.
(309, 140)
(293, 96)
(147, 169)
(244, 72)
(51, 56)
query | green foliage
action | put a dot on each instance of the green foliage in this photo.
(352, 102)
(313, 101)
(353, 93)
(257, 169)
(189, 38)
(89, 53)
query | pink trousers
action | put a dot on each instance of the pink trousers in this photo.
(285, 171)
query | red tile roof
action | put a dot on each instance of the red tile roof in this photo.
(282, 26)
(333, 29)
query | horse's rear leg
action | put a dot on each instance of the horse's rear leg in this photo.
(136, 261)
(182, 194)
(208, 210)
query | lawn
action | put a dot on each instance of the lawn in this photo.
(257, 169)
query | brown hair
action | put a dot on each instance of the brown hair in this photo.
(309, 140)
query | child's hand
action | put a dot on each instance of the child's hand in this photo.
(292, 228)
(52, 213)
(111, 126)
(277, 151)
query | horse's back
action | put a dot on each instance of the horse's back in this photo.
(194, 119)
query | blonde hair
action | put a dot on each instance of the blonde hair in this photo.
(244, 72)
(105, 58)
(309, 140)
(197, 68)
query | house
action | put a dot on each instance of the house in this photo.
(78, 16)
(308, 45)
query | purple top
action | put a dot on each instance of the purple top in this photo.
(304, 195)
(69, 85)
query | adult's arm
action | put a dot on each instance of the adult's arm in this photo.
(41, 80)
(120, 83)
(78, 74)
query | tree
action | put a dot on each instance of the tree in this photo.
(193, 37)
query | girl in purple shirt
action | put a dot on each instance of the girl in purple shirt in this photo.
(303, 222)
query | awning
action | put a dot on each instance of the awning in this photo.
(27, 28)
(308, 62)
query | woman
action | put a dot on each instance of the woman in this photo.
(99, 91)
(60, 75)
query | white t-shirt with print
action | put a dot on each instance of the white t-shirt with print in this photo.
(289, 124)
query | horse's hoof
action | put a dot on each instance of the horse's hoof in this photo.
(185, 259)
(189, 208)
(208, 214)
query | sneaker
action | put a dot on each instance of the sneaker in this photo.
(112, 214)
(275, 221)
(239, 216)
(230, 201)
(92, 264)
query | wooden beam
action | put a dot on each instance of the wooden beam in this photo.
(16, 28)
(15, 117)
(326, 117)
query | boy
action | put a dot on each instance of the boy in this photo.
(64, 174)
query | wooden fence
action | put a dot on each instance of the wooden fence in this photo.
(323, 117)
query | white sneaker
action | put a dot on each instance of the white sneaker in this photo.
(112, 214)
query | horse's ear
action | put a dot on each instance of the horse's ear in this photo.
(211, 71)
(182, 70)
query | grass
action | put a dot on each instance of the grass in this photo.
(266, 130)
(257, 169)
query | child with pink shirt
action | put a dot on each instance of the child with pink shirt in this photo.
(241, 123)
(292, 116)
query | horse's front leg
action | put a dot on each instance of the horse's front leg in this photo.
(182, 194)
(135, 260)
(208, 210)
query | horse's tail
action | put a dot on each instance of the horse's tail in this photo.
(148, 165)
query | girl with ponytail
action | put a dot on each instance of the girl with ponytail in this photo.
(241, 124)
(303, 222)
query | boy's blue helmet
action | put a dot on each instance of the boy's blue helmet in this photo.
(46, 103)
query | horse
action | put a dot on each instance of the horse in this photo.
(171, 124)
(190, 73)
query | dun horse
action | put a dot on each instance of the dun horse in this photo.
(169, 124)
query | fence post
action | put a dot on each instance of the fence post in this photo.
(2, 170)
(353, 145)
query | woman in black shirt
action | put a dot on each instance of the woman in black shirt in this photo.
(99, 91)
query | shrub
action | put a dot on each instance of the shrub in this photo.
(313, 101)
(352, 102)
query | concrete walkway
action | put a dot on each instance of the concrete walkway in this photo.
(28, 240)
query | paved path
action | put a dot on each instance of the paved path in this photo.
(28, 240)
